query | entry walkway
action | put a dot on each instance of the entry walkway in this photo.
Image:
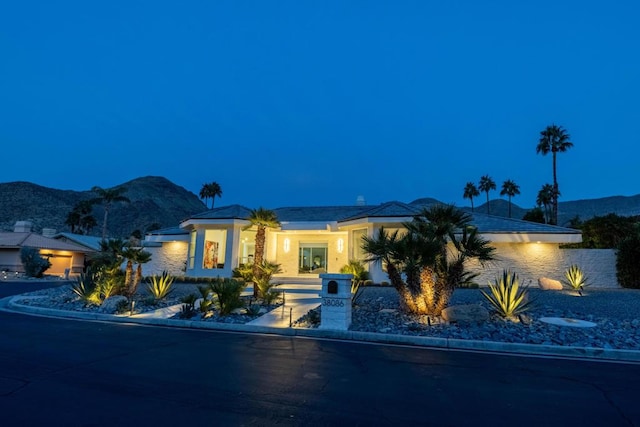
(298, 300)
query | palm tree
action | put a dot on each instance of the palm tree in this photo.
(470, 191)
(107, 197)
(510, 189)
(210, 191)
(545, 199)
(554, 139)
(487, 184)
(80, 218)
(420, 264)
(262, 219)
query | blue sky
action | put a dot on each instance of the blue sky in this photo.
(314, 103)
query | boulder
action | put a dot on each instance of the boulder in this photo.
(469, 313)
(547, 284)
(109, 305)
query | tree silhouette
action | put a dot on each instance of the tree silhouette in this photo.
(487, 184)
(554, 139)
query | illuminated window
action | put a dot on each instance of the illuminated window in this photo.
(214, 248)
(358, 253)
(312, 258)
(192, 250)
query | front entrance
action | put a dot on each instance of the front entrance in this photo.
(312, 258)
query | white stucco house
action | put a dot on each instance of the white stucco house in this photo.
(314, 240)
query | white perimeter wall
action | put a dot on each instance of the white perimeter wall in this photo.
(534, 260)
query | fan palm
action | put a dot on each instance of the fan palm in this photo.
(554, 139)
(470, 191)
(545, 199)
(487, 184)
(510, 189)
(262, 219)
(210, 191)
(420, 264)
(107, 197)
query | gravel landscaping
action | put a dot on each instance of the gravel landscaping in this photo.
(62, 298)
(615, 312)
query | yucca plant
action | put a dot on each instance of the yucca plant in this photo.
(161, 286)
(575, 279)
(507, 297)
(87, 289)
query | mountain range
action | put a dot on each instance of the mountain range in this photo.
(154, 201)
(159, 202)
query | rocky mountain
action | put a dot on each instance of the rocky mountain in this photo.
(154, 200)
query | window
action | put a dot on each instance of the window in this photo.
(214, 248)
(312, 258)
(192, 250)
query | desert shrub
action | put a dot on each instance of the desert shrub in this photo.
(271, 297)
(34, 264)
(206, 304)
(263, 280)
(360, 275)
(188, 309)
(368, 282)
(507, 298)
(627, 265)
(575, 279)
(161, 286)
(252, 309)
(227, 293)
(87, 289)
(244, 272)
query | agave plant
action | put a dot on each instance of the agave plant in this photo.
(507, 297)
(575, 279)
(161, 286)
(87, 289)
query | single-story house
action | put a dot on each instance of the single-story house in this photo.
(65, 257)
(314, 240)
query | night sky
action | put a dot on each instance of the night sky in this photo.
(288, 103)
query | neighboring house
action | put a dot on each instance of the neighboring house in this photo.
(314, 240)
(65, 257)
(89, 242)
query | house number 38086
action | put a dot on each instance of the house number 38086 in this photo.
(330, 302)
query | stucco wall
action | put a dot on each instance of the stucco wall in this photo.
(171, 256)
(289, 260)
(534, 260)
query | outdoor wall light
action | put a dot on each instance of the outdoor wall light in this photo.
(287, 245)
(340, 245)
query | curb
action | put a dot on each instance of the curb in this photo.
(11, 304)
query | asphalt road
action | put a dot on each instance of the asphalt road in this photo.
(63, 372)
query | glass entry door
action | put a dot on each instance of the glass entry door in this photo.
(312, 258)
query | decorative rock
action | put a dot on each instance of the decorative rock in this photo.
(547, 284)
(110, 304)
(471, 313)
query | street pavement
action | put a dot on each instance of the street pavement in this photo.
(62, 372)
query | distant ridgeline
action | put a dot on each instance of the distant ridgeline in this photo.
(154, 201)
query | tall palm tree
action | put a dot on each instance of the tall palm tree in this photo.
(510, 189)
(107, 197)
(470, 191)
(554, 139)
(262, 219)
(487, 184)
(210, 191)
(545, 199)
